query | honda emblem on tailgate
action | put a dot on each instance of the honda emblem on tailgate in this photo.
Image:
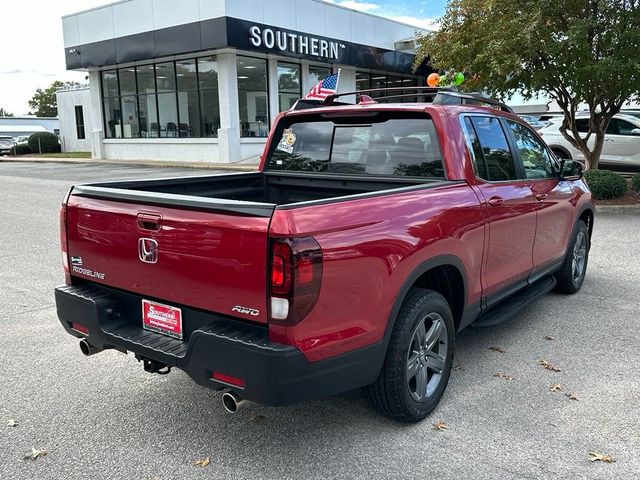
(148, 250)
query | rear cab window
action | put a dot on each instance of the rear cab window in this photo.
(381, 144)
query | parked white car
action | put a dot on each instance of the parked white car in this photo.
(621, 143)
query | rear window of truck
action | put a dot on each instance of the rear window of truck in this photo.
(378, 145)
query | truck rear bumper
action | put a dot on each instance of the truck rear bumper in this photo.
(273, 374)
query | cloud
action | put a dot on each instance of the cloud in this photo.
(377, 9)
(356, 5)
(426, 23)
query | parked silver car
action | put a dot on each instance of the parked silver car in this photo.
(6, 144)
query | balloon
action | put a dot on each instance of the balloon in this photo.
(458, 79)
(433, 79)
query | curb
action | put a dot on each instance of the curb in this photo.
(618, 209)
(250, 167)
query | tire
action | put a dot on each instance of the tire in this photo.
(397, 394)
(571, 275)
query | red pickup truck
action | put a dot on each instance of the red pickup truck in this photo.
(369, 237)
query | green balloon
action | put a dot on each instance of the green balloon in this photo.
(458, 79)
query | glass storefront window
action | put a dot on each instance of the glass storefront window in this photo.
(127, 81)
(186, 75)
(170, 99)
(253, 97)
(149, 127)
(363, 81)
(208, 72)
(112, 117)
(146, 79)
(165, 77)
(130, 127)
(378, 80)
(316, 74)
(289, 88)
(209, 99)
(110, 83)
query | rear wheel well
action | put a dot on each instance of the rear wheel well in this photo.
(448, 282)
(561, 152)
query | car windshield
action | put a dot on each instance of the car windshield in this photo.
(379, 145)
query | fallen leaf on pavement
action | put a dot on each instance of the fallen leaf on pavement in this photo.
(504, 375)
(34, 454)
(459, 366)
(571, 396)
(549, 337)
(497, 349)
(548, 365)
(12, 423)
(440, 426)
(601, 457)
(556, 387)
(203, 463)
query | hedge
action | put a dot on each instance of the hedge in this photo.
(635, 182)
(605, 184)
(22, 149)
(48, 143)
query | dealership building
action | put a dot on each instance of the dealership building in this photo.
(202, 80)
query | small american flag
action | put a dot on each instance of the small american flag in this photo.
(326, 87)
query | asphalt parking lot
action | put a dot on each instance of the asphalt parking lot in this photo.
(103, 417)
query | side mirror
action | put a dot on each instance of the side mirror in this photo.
(571, 169)
(635, 131)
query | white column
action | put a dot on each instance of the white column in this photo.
(304, 80)
(96, 134)
(347, 82)
(274, 102)
(229, 131)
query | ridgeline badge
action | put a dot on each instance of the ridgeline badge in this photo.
(295, 43)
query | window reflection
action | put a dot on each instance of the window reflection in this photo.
(169, 99)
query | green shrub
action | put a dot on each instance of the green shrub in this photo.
(22, 149)
(48, 143)
(635, 182)
(605, 184)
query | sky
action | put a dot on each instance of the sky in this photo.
(33, 53)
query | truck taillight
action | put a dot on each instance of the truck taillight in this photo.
(63, 242)
(296, 275)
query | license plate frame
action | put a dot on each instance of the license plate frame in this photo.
(163, 319)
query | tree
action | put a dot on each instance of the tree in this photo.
(44, 102)
(574, 51)
(5, 113)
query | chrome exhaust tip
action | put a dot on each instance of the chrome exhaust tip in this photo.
(232, 402)
(87, 349)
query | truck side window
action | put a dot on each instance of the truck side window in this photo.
(533, 154)
(490, 149)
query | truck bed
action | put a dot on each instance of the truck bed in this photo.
(250, 193)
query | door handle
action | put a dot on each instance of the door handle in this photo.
(150, 222)
(541, 196)
(496, 201)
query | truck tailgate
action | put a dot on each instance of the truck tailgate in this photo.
(210, 260)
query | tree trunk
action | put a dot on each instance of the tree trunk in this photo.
(592, 157)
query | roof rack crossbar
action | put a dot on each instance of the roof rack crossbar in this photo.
(330, 99)
(439, 95)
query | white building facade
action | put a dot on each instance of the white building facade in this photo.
(202, 80)
(76, 120)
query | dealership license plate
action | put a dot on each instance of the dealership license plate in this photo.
(163, 319)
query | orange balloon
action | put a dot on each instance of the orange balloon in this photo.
(433, 79)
